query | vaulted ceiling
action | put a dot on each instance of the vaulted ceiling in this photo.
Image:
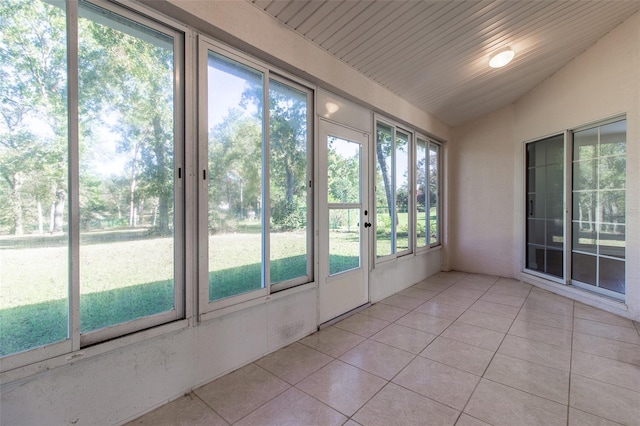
(435, 54)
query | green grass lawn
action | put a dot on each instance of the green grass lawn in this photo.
(124, 276)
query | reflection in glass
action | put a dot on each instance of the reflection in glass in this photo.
(545, 205)
(235, 117)
(612, 275)
(385, 208)
(584, 144)
(402, 192)
(344, 240)
(583, 268)
(343, 171)
(422, 188)
(34, 231)
(288, 136)
(434, 197)
(126, 169)
(599, 206)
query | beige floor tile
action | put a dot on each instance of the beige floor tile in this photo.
(606, 370)
(610, 331)
(503, 299)
(465, 292)
(605, 400)
(500, 405)
(594, 314)
(437, 381)
(294, 362)
(293, 408)
(405, 338)
(495, 309)
(419, 293)
(481, 319)
(450, 299)
(424, 322)
(397, 406)
(440, 310)
(240, 392)
(580, 418)
(472, 285)
(362, 325)
(608, 348)
(548, 302)
(538, 352)
(351, 423)
(342, 386)
(459, 355)
(541, 333)
(537, 379)
(432, 286)
(513, 291)
(186, 411)
(545, 318)
(385, 312)
(403, 302)
(480, 279)
(467, 420)
(474, 336)
(377, 358)
(332, 341)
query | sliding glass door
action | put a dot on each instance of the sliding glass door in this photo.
(591, 252)
(545, 206)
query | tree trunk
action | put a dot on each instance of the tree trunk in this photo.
(58, 214)
(132, 188)
(166, 188)
(16, 197)
(40, 219)
(385, 179)
(289, 182)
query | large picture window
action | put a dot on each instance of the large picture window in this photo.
(257, 178)
(88, 238)
(427, 199)
(393, 192)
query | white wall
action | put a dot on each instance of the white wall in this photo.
(486, 170)
(115, 382)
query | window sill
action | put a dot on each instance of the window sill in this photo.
(13, 374)
(578, 294)
(257, 301)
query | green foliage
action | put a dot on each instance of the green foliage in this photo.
(286, 216)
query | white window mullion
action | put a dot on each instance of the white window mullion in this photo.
(74, 184)
(266, 200)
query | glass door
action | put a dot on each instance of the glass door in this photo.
(545, 206)
(344, 220)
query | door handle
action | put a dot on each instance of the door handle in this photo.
(367, 224)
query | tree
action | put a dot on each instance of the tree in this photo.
(33, 109)
(130, 80)
(235, 158)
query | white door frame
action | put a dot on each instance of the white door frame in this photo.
(343, 291)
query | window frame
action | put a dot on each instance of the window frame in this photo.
(429, 143)
(569, 219)
(211, 309)
(410, 190)
(567, 247)
(120, 334)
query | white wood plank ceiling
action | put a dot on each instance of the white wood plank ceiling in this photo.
(435, 54)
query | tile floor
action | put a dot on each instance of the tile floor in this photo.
(455, 349)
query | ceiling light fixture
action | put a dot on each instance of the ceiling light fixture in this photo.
(501, 58)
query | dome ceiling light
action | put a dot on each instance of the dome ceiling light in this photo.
(501, 58)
